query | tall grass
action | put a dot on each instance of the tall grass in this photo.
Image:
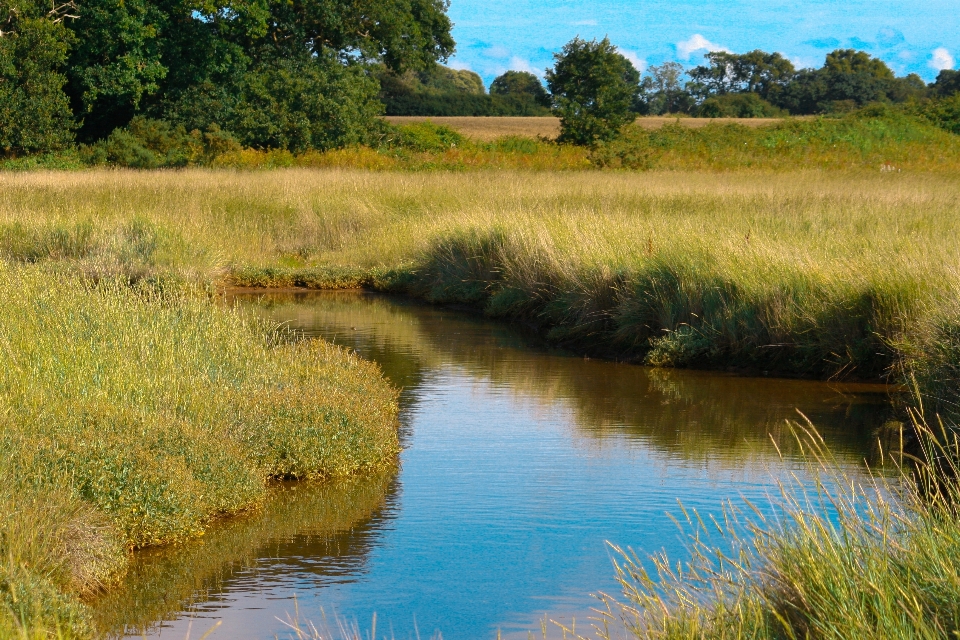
(839, 560)
(819, 274)
(132, 417)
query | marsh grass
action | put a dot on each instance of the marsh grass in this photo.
(840, 558)
(134, 416)
(846, 275)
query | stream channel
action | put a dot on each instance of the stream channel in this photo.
(519, 463)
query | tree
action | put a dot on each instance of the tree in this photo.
(947, 83)
(593, 89)
(521, 84)
(661, 91)
(754, 72)
(35, 115)
(147, 56)
(855, 77)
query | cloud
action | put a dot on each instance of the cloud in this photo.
(888, 37)
(697, 43)
(941, 59)
(519, 64)
(638, 63)
(459, 66)
(823, 43)
(584, 23)
(497, 51)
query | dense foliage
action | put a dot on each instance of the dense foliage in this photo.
(767, 84)
(274, 74)
(593, 88)
(441, 91)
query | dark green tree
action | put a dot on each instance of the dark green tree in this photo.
(521, 84)
(310, 102)
(35, 115)
(593, 89)
(754, 72)
(156, 57)
(947, 83)
(855, 77)
(662, 92)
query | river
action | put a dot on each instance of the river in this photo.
(519, 464)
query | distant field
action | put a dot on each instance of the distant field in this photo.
(487, 129)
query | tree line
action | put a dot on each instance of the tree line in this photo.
(290, 74)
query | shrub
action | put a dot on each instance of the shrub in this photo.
(738, 105)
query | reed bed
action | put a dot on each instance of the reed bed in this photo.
(134, 416)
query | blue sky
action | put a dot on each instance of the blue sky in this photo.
(920, 36)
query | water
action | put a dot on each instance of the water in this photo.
(518, 465)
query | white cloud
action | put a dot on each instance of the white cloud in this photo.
(941, 59)
(697, 43)
(638, 63)
(519, 64)
(584, 23)
(497, 51)
(459, 66)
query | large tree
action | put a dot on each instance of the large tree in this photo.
(593, 88)
(35, 114)
(754, 72)
(155, 56)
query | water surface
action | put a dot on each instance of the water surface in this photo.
(518, 465)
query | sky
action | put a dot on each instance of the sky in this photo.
(911, 36)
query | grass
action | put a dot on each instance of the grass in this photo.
(135, 416)
(843, 559)
(846, 275)
(875, 138)
(489, 129)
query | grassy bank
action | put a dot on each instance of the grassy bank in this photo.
(134, 416)
(817, 274)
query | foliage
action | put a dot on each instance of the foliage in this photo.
(737, 105)
(149, 144)
(520, 84)
(425, 136)
(304, 103)
(947, 83)
(441, 91)
(35, 115)
(764, 74)
(945, 113)
(593, 89)
(662, 92)
(107, 422)
(227, 62)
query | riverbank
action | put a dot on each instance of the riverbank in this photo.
(134, 416)
(843, 275)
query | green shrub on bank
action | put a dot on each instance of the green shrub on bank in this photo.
(135, 417)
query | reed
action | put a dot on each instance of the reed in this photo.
(839, 559)
(135, 416)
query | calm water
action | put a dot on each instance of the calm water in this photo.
(518, 465)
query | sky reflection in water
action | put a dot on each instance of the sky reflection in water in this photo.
(518, 465)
